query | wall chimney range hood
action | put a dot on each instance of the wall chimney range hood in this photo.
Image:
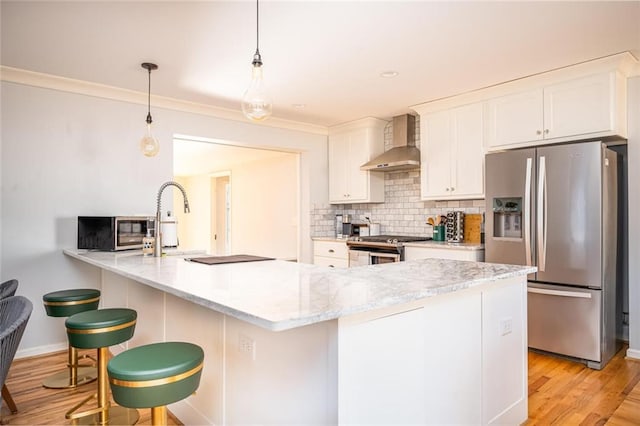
(403, 154)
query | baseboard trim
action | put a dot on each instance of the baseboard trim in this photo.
(633, 353)
(187, 414)
(41, 350)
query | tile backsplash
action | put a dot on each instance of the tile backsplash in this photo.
(402, 213)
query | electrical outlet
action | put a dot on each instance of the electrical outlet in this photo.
(506, 326)
(247, 346)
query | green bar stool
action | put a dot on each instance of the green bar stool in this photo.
(155, 375)
(100, 329)
(65, 303)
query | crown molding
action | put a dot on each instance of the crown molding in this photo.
(625, 63)
(54, 82)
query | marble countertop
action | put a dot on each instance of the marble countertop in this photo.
(280, 295)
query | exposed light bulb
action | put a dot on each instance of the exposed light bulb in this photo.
(148, 144)
(256, 102)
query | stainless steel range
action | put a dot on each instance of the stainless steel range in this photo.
(379, 249)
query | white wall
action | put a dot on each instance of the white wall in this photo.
(198, 189)
(633, 152)
(264, 213)
(66, 154)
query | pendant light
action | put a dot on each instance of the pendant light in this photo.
(256, 102)
(148, 144)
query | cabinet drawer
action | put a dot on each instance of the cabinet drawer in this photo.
(331, 262)
(333, 249)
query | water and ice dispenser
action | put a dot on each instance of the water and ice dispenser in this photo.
(507, 217)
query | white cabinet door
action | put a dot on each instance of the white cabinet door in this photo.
(580, 107)
(358, 180)
(516, 118)
(338, 157)
(435, 155)
(452, 154)
(467, 170)
(350, 146)
(584, 107)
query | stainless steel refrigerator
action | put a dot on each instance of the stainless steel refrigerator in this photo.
(555, 207)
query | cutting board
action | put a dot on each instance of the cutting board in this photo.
(472, 228)
(219, 260)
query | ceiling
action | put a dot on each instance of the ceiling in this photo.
(327, 55)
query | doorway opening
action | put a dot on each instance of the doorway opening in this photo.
(244, 200)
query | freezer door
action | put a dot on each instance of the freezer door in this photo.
(565, 320)
(569, 214)
(510, 206)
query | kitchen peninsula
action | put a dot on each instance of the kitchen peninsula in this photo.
(423, 341)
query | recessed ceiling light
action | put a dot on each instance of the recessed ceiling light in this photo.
(299, 106)
(389, 74)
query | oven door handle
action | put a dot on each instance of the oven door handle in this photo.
(379, 254)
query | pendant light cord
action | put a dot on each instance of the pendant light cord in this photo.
(257, 27)
(257, 59)
(149, 120)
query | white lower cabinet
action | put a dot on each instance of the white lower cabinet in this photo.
(331, 253)
(461, 358)
(413, 253)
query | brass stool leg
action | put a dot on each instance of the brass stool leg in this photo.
(103, 387)
(159, 416)
(104, 412)
(75, 374)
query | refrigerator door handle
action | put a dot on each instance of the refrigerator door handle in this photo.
(542, 217)
(559, 293)
(527, 212)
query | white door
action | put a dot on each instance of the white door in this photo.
(220, 209)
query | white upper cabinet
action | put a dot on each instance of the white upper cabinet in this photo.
(580, 108)
(452, 153)
(350, 146)
(515, 118)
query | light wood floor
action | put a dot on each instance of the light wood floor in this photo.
(561, 392)
(41, 406)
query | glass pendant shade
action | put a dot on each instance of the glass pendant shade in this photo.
(256, 102)
(148, 144)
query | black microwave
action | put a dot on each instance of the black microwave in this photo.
(113, 233)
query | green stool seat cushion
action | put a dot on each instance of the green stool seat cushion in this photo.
(65, 303)
(155, 375)
(100, 328)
